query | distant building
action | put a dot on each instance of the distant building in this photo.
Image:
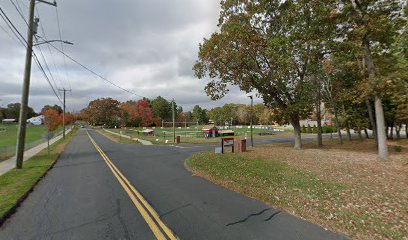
(36, 120)
(148, 132)
(210, 130)
(9, 121)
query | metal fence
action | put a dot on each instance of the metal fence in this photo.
(7, 152)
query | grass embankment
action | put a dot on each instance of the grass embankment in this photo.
(16, 183)
(9, 134)
(341, 187)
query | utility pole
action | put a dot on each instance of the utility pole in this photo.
(63, 111)
(174, 121)
(22, 123)
(252, 113)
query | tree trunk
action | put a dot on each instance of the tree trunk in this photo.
(392, 131)
(406, 129)
(382, 139)
(348, 131)
(398, 131)
(337, 123)
(360, 137)
(379, 111)
(366, 133)
(387, 132)
(372, 119)
(297, 132)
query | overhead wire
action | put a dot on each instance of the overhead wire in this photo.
(52, 58)
(19, 11)
(95, 73)
(62, 47)
(13, 28)
(24, 43)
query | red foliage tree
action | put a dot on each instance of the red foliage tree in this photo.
(52, 119)
(137, 114)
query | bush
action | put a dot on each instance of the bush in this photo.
(329, 129)
(314, 129)
(398, 148)
(303, 130)
(309, 129)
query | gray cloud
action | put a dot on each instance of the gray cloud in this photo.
(148, 47)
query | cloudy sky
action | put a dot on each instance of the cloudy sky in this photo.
(145, 46)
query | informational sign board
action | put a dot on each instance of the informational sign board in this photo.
(227, 142)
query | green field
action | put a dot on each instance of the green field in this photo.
(8, 134)
(190, 135)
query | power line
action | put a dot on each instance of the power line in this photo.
(13, 28)
(45, 76)
(46, 66)
(23, 42)
(62, 47)
(19, 11)
(94, 73)
(49, 49)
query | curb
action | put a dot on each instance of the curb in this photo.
(14, 208)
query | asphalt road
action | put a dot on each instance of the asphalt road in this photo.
(87, 196)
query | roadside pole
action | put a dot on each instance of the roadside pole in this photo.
(174, 121)
(22, 123)
(63, 112)
(252, 113)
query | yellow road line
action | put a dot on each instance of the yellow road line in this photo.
(138, 200)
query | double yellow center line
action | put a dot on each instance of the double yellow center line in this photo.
(159, 229)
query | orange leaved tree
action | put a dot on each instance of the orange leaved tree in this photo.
(52, 119)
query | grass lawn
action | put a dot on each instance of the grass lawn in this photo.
(9, 136)
(116, 138)
(190, 136)
(341, 187)
(15, 183)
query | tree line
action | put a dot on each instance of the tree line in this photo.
(12, 111)
(153, 112)
(349, 54)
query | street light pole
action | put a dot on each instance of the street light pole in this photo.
(252, 112)
(22, 122)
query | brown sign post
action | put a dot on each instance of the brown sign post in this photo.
(227, 142)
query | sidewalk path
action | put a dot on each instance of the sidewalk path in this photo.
(144, 142)
(10, 163)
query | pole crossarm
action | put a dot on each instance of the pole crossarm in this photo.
(49, 3)
(50, 41)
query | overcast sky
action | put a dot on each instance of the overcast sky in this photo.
(148, 47)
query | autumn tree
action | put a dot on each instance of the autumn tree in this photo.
(55, 107)
(52, 119)
(267, 46)
(374, 25)
(136, 114)
(104, 111)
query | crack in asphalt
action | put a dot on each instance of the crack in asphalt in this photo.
(248, 217)
(273, 215)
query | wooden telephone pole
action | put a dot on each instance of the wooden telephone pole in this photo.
(22, 124)
(63, 111)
